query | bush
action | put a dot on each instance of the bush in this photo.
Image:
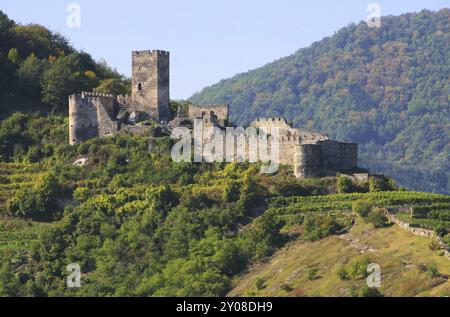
(316, 227)
(344, 184)
(231, 192)
(81, 194)
(362, 208)
(447, 239)
(432, 271)
(343, 274)
(39, 202)
(358, 269)
(369, 292)
(312, 274)
(377, 218)
(380, 184)
(287, 288)
(260, 284)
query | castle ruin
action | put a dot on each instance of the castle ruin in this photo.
(94, 114)
(311, 154)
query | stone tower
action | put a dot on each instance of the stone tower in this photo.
(150, 80)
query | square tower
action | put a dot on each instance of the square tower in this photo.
(150, 83)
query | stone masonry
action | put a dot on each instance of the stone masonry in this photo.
(311, 154)
(93, 114)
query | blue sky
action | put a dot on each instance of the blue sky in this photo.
(209, 40)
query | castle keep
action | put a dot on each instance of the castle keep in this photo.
(91, 114)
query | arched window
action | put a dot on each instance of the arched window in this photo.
(139, 87)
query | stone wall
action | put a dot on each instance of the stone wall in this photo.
(198, 112)
(150, 83)
(105, 112)
(337, 156)
(90, 116)
(420, 232)
(307, 160)
(83, 123)
(267, 124)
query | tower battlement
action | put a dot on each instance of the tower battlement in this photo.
(150, 52)
(150, 83)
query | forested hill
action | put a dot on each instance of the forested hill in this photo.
(40, 68)
(386, 88)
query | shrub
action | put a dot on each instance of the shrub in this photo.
(380, 184)
(260, 284)
(298, 292)
(362, 208)
(312, 274)
(358, 269)
(39, 202)
(231, 192)
(447, 239)
(432, 271)
(81, 194)
(343, 274)
(344, 184)
(316, 227)
(287, 288)
(377, 218)
(434, 245)
(369, 292)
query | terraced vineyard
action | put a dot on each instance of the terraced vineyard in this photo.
(14, 176)
(430, 210)
(17, 234)
(434, 216)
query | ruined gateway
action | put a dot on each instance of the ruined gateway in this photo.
(93, 114)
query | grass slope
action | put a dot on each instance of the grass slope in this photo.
(402, 256)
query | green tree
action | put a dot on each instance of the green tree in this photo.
(362, 208)
(65, 76)
(344, 184)
(114, 86)
(377, 218)
(14, 56)
(39, 202)
(29, 75)
(9, 283)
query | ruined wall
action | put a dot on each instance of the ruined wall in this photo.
(107, 109)
(421, 232)
(150, 83)
(307, 160)
(83, 123)
(221, 111)
(90, 116)
(337, 156)
(288, 150)
(268, 123)
(287, 133)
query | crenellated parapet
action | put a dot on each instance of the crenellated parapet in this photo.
(150, 52)
(91, 114)
(219, 111)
